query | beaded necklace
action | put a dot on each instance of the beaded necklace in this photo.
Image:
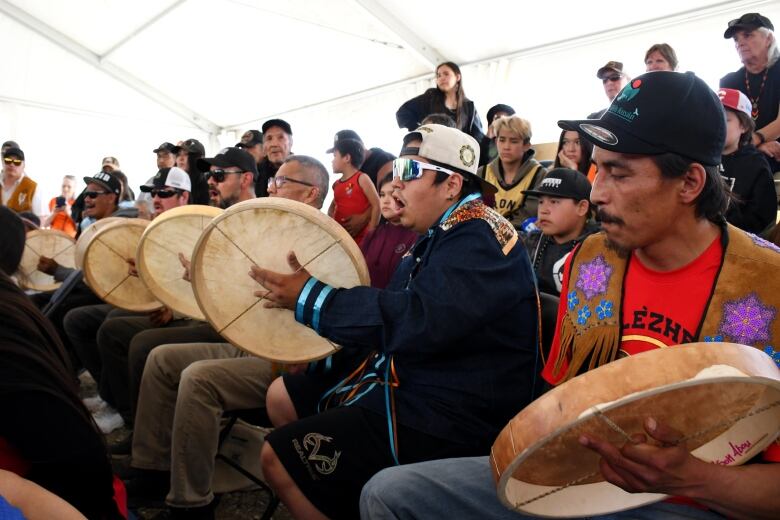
(760, 91)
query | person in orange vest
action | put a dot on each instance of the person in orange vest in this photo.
(59, 208)
(20, 193)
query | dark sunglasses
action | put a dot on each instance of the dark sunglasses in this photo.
(94, 194)
(611, 78)
(14, 160)
(163, 194)
(218, 175)
(279, 181)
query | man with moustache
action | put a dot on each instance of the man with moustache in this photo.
(662, 204)
(230, 175)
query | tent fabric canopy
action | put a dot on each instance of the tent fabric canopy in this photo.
(88, 78)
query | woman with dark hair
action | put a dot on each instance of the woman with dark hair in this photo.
(660, 56)
(187, 156)
(575, 153)
(46, 433)
(448, 97)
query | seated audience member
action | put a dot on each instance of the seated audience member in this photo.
(448, 97)
(564, 222)
(353, 193)
(514, 170)
(187, 156)
(426, 392)
(60, 208)
(660, 56)
(487, 148)
(277, 146)
(745, 169)
(19, 191)
(46, 434)
(166, 155)
(169, 188)
(575, 153)
(759, 79)
(384, 247)
(186, 388)
(671, 158)
(614, 79)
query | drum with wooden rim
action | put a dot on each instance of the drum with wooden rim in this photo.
(723, 398)
(107, 271)
(261, 232)
(174, 232)
(50, 243)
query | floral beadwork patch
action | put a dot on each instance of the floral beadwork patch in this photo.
(760, 242)
(774, 354)
(583, 315)
(594, 277)
(604, 309)
(712, 339)
(572, 300)
(748, 320)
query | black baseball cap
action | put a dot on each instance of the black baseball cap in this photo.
(166, 147)
(10, 144)
(341, 135)
(564, 183)
(14, 151)
(281, 123)
(748, 22)
(230, 157)
(191, 146)
(108, 180)
(660, 112)
(250, 139)
(497, 109)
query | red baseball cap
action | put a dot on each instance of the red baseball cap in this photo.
(735, 100)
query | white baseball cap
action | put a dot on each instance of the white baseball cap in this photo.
(171, 177)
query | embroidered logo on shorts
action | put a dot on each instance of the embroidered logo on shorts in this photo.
(311, 445)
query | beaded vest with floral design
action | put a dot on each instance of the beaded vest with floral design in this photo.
(742, 308)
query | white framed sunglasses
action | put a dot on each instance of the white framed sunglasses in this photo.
(410, 169)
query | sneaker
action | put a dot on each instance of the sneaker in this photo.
(108, 420)
(94, 404)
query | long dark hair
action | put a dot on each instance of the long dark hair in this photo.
(460, 95)
(587, 152)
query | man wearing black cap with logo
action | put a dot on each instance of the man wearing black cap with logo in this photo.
(444, 370)
(252, 142)
(666, 255)
(563, 222)
(277, 143)
(20, 193)
(614, 79)
(166, 155)
(230, 175)
(758, 79)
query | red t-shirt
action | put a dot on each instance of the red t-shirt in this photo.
(350, 200)
(660, 309)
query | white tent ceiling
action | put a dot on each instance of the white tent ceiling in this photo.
(114, 77)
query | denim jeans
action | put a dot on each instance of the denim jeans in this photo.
(464, 489)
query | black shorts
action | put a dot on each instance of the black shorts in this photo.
(331, 455)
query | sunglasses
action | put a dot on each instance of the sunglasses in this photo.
(12, 160)
(280, 181)
(409, 169)
(94, 194)
(163, 194)
(218, 175)
(611, 78)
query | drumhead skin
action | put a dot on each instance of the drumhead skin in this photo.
(724, 397)
(157, 257)
(87, 235)
(262, 232)
(51, 243)
(106, 268)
